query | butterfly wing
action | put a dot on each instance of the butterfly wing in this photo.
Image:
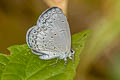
(51, 34)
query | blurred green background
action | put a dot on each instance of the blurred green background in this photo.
(100, 59)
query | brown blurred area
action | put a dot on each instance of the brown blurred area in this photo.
(102, 50)
(16, 16)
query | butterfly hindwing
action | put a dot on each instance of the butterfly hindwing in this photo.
(51, 35)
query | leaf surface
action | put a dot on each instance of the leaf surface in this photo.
(22, 64)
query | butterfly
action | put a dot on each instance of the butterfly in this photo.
(50, 37)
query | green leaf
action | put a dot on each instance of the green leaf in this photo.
(3, 62)
(22, 64)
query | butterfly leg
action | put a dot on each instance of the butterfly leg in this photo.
(56, 62)
(72, 51)
(65, 59)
